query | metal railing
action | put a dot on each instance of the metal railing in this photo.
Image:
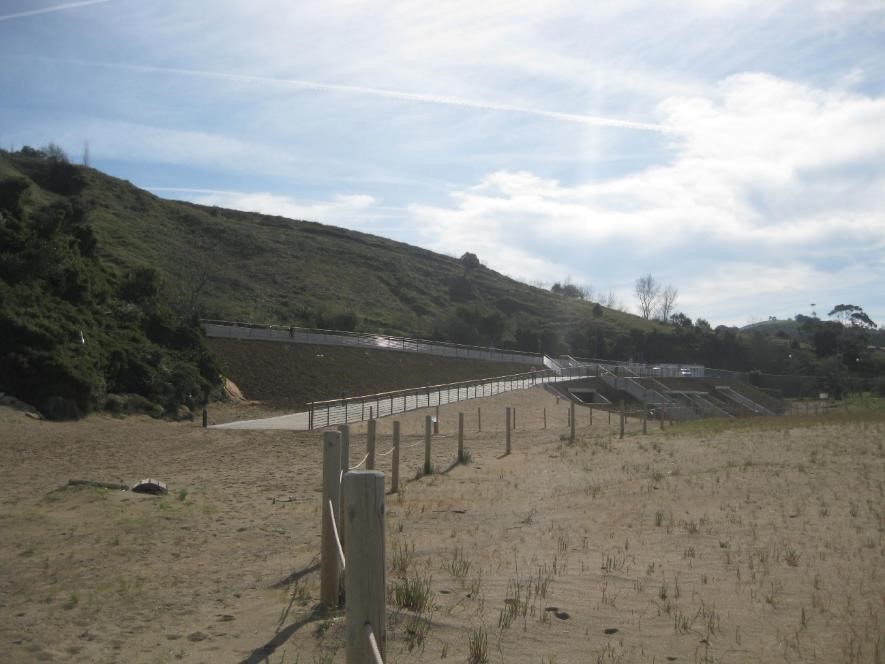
(357, 409)
(239, 330)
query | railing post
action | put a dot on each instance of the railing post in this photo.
(644, 418)
(370, 445)
(545, 417)
(365, 579)
(507, 435)
(461, 437)
(331, 492)
(591, 415)
(427, 425)
(623, 418)
(478, 418)
(205, 415)
(514, 418)
(661, 416)
(571, 417)
(436, 421)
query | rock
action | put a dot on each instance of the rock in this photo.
(155, 487)
(184, 413)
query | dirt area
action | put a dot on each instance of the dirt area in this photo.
(288, 376)
(755, 541)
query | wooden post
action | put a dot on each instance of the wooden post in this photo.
(507, 434)
(591, 415)
(661, 416)
(331, 492)
(545, 418)
(365, 579)
(623, 419)
(205, 415)
(394, 472)
(644, 418)
(479, 419)
(436, 421)
(514, 418)
(571, 418)
(371, 413)
(370, 445)
(427, 429)
(609, 415)
(344, 430)
(461, 437)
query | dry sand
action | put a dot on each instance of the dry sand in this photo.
(759, 543)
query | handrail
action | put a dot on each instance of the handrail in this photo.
(396, 341)
(441, 386)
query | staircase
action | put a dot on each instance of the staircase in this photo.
(747, 403)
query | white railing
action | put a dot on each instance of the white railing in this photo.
(303, 335)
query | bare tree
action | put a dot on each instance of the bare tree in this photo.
(667, 302)
(647, 290)
(610, 301)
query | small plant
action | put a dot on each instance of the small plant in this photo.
(792, 557)
(181, 494)
(401, 557)
(659, 518)
(414, 594)
(458, 566)
(466, 457)
(478, 646)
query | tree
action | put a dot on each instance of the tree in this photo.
(852, 315)
(647, 290)
(470, 262)
(666, 302)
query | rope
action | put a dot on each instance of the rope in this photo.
(337, 537)
(370, 633)
(387, 452)
(360, 463)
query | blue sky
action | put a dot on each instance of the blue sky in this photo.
(734, 149)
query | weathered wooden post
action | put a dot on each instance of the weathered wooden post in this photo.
(436, 421)
(514, 418)
(571, 418)
(331, 493)
(461, 437)
(370, 445)
(371, 413)
(623, 419)
(479, 419)
(661, 416)
(344, 430)
(644, 417)
(591, 415)
(394, 472)
(545, 418)
(365, 579)
(609, 415)
(507, 434)
(427, 429)
(205, 415)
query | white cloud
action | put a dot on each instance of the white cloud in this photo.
(736, 192)
(348, 210)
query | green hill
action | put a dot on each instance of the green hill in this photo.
(226, 264)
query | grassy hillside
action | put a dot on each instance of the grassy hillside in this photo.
(220, 263)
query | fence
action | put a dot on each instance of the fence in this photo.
(356, 409)
(303, 335)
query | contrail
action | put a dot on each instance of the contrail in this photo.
(382, 92)
(54, 8)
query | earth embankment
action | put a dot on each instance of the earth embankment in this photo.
(288, 376)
